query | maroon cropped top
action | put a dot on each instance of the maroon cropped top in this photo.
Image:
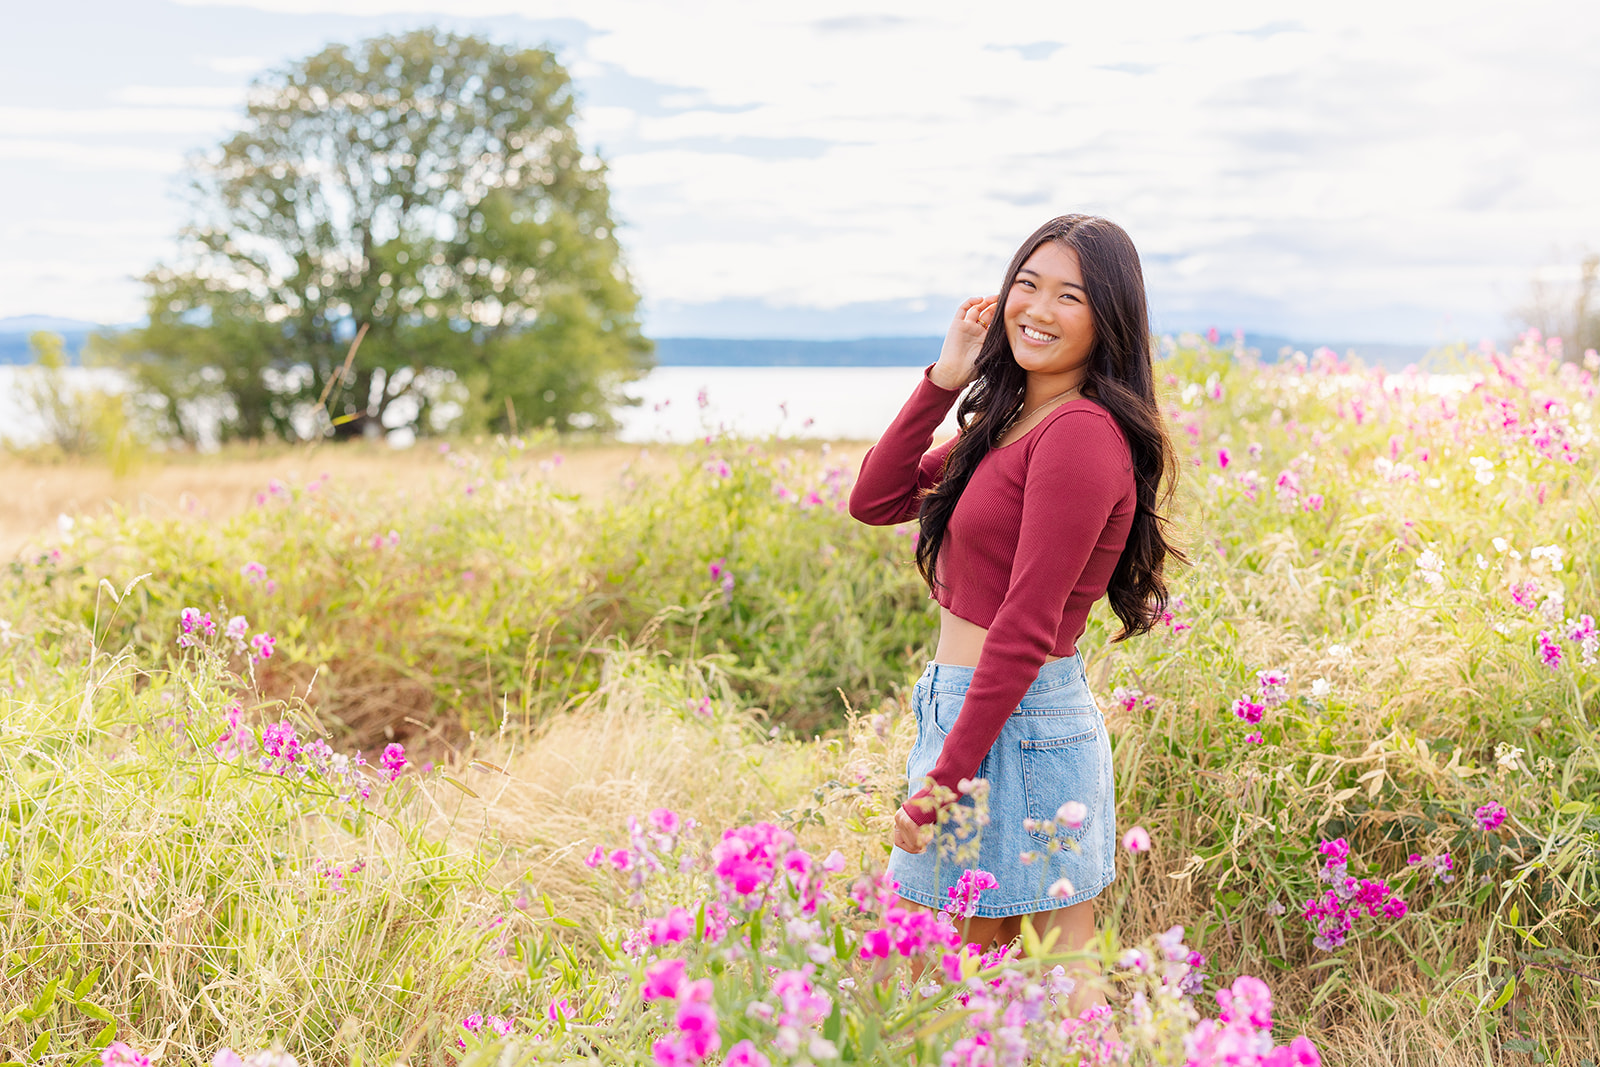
(1029, 548)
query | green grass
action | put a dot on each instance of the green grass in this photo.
(548, 655)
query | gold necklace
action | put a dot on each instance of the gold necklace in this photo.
(1035, 409)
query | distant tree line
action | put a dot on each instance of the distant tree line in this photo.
(425, 192)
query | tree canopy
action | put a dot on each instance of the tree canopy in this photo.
(429, 187)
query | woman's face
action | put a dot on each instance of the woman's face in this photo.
(1047, 315)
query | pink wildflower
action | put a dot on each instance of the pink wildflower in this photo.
(965, 893)
(745, 1054)
(1249, 710)
(1072, 814)
(261, 646)
(676, 925)
(665, 820)
(663, 979)
(1137, 839)
(393, 760)
(118, 1054)
(595, 858)
(1490, 816)
(1550, 651)
(697, 1028)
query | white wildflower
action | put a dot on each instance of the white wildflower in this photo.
(1507, 755)
(1483, 470)
(1550, 553)
(1321, 687)
(1430, 568)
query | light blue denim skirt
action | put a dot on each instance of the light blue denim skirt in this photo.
(1054, 748)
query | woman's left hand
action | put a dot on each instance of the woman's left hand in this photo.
(908, 835)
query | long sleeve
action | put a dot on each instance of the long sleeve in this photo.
(1078, 473)
(897, 470)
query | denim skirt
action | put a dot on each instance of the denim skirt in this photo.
(1054, 748)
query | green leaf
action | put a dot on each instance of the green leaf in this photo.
(46, 1000)
(95, 1011)
(107, 1034)
(840, 948)
(40, 1046)
(83, 987)
(1573, 807)
(1505, 996)
(459, 785)
(831, 1028)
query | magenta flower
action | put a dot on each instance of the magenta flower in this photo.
(559, 1009)
(1249, 1000)
(1273, 687)
(697, 1028)
(665, 820)
(254, 572)
(261, 645)
(1249, 710)
(663, 979)
(1137, 839)
(1254, 738)
(1223, 458)
(745, 1054)
(1549, 650)
(1490, 816)
(595, 858)
(1336, 851)
(965, 893)
(1298, 1053)
(237, 627)
(876, 944)
(393, 760)
(1525, 595)
(676, 925)
(118, 1054)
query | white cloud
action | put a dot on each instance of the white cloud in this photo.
(182, 96)
(1366, 159)
(87, 156)
(235, 64)
(120, 121)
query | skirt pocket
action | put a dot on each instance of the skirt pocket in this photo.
(1056, 770)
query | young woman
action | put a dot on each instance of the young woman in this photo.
(1049, 496)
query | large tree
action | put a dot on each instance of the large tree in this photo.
(428, 187)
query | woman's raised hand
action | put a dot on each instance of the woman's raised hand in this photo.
(959, 356)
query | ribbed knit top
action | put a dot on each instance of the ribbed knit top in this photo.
(1029, 548)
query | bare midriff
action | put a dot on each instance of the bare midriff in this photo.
(961, 641)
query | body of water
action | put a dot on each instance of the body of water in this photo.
(675, 403)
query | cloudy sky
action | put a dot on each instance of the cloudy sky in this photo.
(1390, 171)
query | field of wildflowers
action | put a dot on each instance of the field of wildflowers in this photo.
(492, 774)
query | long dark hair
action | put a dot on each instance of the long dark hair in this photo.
(1120, 378)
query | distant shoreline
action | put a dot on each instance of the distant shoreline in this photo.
(859, 352)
